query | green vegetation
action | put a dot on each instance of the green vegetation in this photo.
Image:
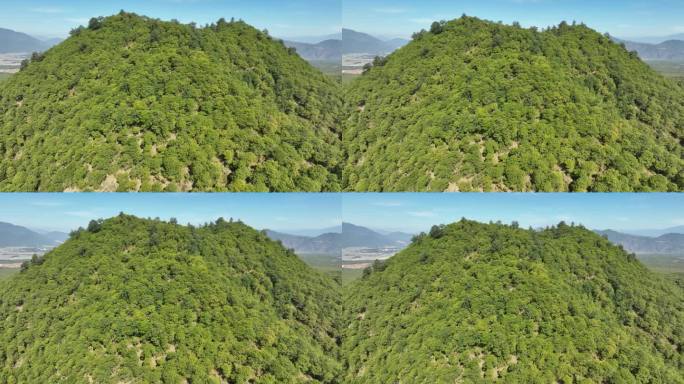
(144, 301)
(674, 69)
(4, 76)
(330, 68)
(132, 103)
(328, 264)
(664, 263)
(476, 105)
(474, 303)
(7, 272)
(350, 275)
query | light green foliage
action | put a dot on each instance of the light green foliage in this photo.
(477, 303)
(132, 103)
(475, 105)
(144, 301)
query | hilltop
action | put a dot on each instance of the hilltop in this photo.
(477, 105)
(473, 302)
(131, 103)
(134, 300)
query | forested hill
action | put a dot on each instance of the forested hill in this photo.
(133, 103)
(132, 301)
(477, 105)
(473, 303)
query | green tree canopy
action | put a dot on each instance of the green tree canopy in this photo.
(144, 301)
(484, 303)
(136, 104)
(477, 105)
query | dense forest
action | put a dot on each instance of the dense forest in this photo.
(130, 103)
(476, 105)
(473, 303)
(129, 300)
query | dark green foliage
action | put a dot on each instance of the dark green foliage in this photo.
(132, 103)
(486, 302)
(475, 105)
(216, 304)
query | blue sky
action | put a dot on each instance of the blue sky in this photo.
(293, 212)
(282, 18)
(415, 212)
(66, 211)
(389, 18)
(623, 18)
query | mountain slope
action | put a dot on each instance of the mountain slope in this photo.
(476, 105)
(477, 303)
(135, 301)
(132, 103)
(17, 42)
(16, 236)
(671, 243)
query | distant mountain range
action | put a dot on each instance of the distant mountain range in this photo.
(656, 232)
(671, 243)
(327, 243)
(16, 236)
(358, 42)
(333, 242)
(17, 42)
(355, 236)
(656, 39)
(671, 50)
(327, 50)
(332, 48)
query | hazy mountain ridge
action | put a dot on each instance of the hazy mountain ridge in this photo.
(671, 243)
(18, 42)
(359, 42)
(327, 50)
(17, 236)
(333, 242)
(327, 243)
(671, 50)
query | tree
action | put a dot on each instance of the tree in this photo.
(94, 226)
(436, 28)
(95, 23)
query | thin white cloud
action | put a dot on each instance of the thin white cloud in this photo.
(388, 204)
(47, 203)
(422, 213)
(50, 10)
(421, 20)
(77, 20)
(83, 214)
(390, 10)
